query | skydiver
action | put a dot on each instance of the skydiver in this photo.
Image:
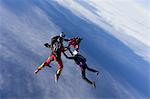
(81, 61)
(74, 43)
(59, 38)
(57, 48)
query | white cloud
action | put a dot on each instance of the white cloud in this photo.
(122, 88)
(28, 28)
(31, 27)
(124, 19)
(29, 31)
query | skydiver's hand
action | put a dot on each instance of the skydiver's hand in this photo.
(67, 47)
(46, 45)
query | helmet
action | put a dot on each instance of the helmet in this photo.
(78, 40)
(62, 34)
(75, 52)
(77, 37)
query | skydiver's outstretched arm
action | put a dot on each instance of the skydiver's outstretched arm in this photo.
(67, 56)
(70, 51)
(65, 39)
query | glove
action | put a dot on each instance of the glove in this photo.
(46, 45)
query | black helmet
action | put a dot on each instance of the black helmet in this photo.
(77, 37)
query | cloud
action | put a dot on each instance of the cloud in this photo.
(27, 31)
(120, 22)
(125, 20)
(121, 88)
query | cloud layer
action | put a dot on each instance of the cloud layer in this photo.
(27, 25)
(127, 20)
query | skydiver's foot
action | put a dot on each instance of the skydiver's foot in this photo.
(97, 73)
(36, 72)
(56, 78)
(94, 85)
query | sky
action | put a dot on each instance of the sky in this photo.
(121, 18)
(115, 41)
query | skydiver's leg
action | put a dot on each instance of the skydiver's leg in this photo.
(60, 68)
(90, 69)
(46, 63)
(87, 80)
(39, 68)
(84, 77)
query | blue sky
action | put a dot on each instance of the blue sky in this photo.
(107, 45)
(145, 3)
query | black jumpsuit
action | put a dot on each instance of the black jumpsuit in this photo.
(81, 61)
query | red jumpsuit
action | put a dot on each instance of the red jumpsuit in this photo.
(56, 55)
(73, 43)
